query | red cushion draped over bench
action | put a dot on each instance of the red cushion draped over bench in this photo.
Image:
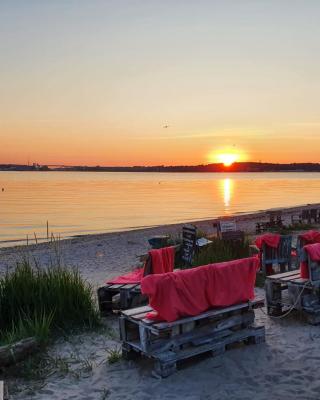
(270, 239)
(313, 251)
(162, 260)
(193, 291)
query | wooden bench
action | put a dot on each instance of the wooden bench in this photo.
(288, 291)
(113, 297)
(311, 215)
(275, 221)
(280, 257)
(168, 343)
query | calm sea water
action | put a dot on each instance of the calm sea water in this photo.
(81, 203)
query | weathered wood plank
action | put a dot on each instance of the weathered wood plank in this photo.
(138, 310)
(115, 287)
(282, 275)
(258, 302)
(11, 354)
(200, 335)
(129, 286)
(139, 316)
(290, 278)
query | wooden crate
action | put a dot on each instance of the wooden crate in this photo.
(168, 343)
(115, 297)
(287, 290)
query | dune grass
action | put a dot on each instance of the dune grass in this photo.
(36, 302)
(287, 229)
(222, 250)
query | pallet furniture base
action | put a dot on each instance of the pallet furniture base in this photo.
(286, 291)
(168, 343)
(115, 297)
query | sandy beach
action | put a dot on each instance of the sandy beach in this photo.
(285, 366)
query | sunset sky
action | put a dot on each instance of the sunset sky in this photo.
(95, 82)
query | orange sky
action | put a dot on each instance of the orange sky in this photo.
(95, 84)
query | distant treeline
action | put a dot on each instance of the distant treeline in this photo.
(236, 167)
(19, 167)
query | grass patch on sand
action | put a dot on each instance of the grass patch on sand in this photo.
(37, 301)
(114, 355)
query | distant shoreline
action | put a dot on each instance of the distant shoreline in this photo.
(235, 167)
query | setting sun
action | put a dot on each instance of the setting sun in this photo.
(227, 156)
(227, 159)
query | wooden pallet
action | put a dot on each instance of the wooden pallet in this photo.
(167, 343)
(114, 297)
(289, 290)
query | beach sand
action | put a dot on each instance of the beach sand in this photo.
(286, 366)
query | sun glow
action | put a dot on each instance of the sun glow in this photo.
(227, 156)
(227, 159)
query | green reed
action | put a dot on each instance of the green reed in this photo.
(35, 301)
(222, 250)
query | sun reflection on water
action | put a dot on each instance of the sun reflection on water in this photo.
(227, 192)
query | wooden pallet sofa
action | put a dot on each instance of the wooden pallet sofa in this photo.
(124, 292)
(297, 290)
(275, 253)
(202, 310)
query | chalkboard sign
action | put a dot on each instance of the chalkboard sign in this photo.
(189, 236)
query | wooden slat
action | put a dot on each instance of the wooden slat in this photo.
(129, 286)
(192, 351)
(138, 310)
(283, 275)
(139, 316)
(115, 286)
(259, 302)
(290, 278)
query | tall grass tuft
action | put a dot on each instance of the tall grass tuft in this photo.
(222, 250)
(34, 301)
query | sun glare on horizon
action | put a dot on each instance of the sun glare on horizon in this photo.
(227, 156)
(227, 159)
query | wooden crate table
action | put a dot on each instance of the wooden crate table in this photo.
(288, 291)
(115, 297)
(168, 343)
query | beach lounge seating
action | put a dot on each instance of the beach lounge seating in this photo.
(311, 215)
(275, 253)
(176, 327)
(314, 215)
(303, 239)
(275, 221)
(227, 230)
(297, 290)
(123, 292)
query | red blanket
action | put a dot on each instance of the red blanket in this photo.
(270, 239)
(131, 277)
(313, 250)
(193, 291)
(162, 260)
(310, 237)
